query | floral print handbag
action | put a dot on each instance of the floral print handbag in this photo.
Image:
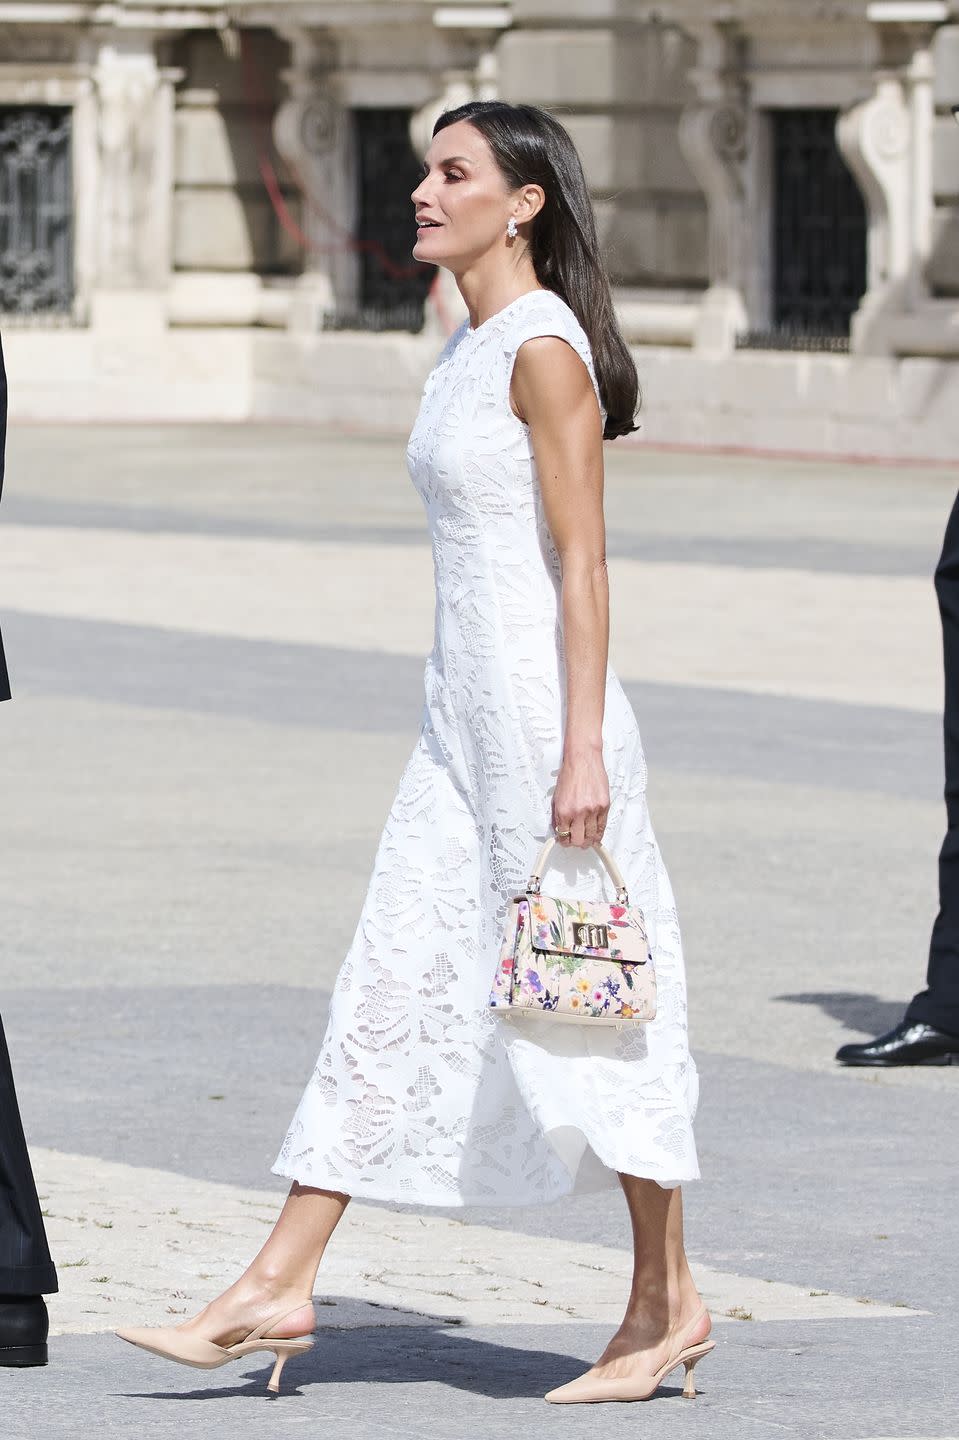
(575, 959)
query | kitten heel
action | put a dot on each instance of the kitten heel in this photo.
(689, 1389)
(283, 1354)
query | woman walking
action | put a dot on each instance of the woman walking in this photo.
(422, 1094)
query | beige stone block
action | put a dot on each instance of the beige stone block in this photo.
(880, 437)
(128, 312)
(945, 51)
(851, 387)
(929, 393)
(654, 242)
(668, 56)
(579, 11)
(632, 152)
(223, 230)
(567, 68)
(945, 158)
(942, 271)
(214, 149)
(648, 65)
(93, 375)
(374, 381)
(208, 67)
(760, 382)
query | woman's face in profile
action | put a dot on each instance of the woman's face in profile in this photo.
(464, 195)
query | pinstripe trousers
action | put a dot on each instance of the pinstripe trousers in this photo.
(25, 1264)
(938, 1004)
(4, 678)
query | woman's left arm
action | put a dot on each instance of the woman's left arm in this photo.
(552, 392)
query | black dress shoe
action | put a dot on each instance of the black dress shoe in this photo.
(908, 1044)
(23, 1330)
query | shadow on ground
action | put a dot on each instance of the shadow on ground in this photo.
(405, 1355)
(864, 1013)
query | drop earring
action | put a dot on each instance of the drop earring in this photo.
(511, 228)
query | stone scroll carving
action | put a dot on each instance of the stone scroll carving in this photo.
(874, 139)
(713, 141)
(313, 134)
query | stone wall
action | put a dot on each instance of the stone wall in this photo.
(223, 219)
(619, 89)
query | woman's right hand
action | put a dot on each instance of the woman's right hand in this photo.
(581, 800)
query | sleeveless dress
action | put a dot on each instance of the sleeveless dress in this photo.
(420, 1093)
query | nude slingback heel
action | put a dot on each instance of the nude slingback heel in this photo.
(591, 1390)
(689, 1389)
(171, 1343)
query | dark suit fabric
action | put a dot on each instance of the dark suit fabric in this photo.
(25, 1264)
(938, 1004)
(4, 678)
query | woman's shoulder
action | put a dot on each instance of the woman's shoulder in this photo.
(546, 309)
(548, 314)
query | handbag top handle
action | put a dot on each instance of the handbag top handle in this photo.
(612, 869)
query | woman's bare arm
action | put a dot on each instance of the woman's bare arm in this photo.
(552, 392)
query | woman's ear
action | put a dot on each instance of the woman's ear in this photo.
(531, 202)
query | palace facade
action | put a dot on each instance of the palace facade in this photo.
(204, 208)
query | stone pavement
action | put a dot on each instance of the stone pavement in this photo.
(216, 638)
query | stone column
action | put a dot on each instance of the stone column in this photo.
(314, 134)
(714, 136)
(886, 140)
(134, 114)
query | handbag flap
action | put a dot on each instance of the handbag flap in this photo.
(598, 928)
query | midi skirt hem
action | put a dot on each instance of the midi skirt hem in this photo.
(601, 1176)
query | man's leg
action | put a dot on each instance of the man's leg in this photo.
(26, 1270)
(938, 1004)
(929, 1032)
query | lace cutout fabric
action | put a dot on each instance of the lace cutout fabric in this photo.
(420, 1093)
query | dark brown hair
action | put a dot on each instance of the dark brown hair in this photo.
(532, 148)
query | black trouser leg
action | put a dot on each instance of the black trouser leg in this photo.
(938, 1004)
(25, 1264)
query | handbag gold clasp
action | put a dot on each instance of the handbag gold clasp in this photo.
(590, 934)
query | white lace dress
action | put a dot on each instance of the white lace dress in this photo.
(420, 1094)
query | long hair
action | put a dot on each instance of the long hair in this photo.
(531, 148)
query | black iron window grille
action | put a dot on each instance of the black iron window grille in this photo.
(36, 214)
(818, 237)
(392, 285)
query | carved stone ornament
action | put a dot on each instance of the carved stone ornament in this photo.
(318, 125)
(727, 131)
(888, 131)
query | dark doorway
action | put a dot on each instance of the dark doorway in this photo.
(36, 211)
(393, 285)
(819, 235)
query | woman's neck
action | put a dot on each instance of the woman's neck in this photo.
(485, 293)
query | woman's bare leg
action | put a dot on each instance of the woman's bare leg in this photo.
(663, 1299)
(281, 1276)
